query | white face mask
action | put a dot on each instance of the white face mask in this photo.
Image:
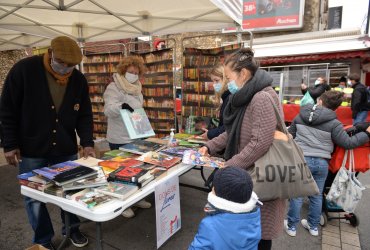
(131, 78)
(317, 82)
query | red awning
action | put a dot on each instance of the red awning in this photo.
(314, 57)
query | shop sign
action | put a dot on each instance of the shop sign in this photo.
(272, 14)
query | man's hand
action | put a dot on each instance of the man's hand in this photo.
(13, 157)
(88, 151)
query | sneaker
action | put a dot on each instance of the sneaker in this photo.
(313, 230)
(78, 239)
(143, 204)
(291, 231)
(128, 213)
(49, 246)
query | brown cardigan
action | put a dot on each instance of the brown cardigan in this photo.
(256, 136)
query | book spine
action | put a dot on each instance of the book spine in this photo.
(127, 182)
(31, 184)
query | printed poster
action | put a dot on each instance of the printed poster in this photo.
(167, 208)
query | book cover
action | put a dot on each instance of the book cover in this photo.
(137, 123)
(159, 159)
(30, 176)
(188, 144)
(118, 190)
(193, 157)
(54, 190)
(176, 151)
(182, 136)
(139, 184)
(54, 170)
(88, 162)
(131, 163)
(34, 185)
(117, 152)
(135, 175)
(93, 200)
(158, 171)
(77, 173)
(197, 139)
(95, 181)
(110, 164)
(141, 147)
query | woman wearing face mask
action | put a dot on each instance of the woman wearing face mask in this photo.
(250, 123)
(317, 90)
(124, 93)
(222, 96)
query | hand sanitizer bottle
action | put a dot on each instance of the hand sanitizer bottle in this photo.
(172, 140)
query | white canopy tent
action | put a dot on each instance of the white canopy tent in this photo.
(32, 23)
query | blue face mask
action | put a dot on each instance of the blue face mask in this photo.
(233, 88)
(60, 68)
(217, 87)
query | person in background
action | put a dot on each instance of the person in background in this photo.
(124, 93)
(315, 130)
(359, 102)
(231, 200)
(159, 44)
(45, 101)
(342, 83)
(317, 90)
(222, 96)
(250, 123)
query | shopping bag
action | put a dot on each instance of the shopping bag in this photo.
(282, 172)
(306, 99)
(361, 158)
(346, 189)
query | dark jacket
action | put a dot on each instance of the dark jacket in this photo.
(359, 99)
(317, 137)
(212, 133)
(317, 90)
(28, 116)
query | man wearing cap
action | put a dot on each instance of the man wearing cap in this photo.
(44, 102)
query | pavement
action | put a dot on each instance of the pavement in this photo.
(140, 232)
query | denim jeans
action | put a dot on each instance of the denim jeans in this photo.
(319, 170)
(38, 214)
(360, 117)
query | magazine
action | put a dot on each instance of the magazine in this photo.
(176, 151)
(137, 123)
(193, 157)
(159, 159)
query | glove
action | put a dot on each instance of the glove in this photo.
(128, 107)
(362, 126)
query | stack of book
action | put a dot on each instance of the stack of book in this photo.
(90, 198)
(141, 147)
(132, 176)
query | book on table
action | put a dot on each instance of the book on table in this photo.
(141, 147)
(51, 171)
(193, 157)
(138, 184)
(159, 159)
(137, 123)
(176, 151)
(30, 176)
(128, 174)
(93, 200)
(88, 162)
(197, 139)
(118, 190)
(94, 181)
(117, 152)
(75, 174)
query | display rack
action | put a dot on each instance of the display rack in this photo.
(197, 87)
(158, 89)
(98, 64)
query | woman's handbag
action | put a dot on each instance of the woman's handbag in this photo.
(282, 172)
(306, 99)
(346, 190)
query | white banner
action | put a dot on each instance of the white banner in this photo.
(167, 209)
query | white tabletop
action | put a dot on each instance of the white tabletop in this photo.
(110, 210)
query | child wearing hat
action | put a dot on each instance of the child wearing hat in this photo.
(233, 217)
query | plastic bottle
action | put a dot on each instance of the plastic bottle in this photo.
(172, 140)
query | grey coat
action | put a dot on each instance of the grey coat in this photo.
(317, 138)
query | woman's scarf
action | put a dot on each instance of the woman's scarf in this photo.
(129, 88)
(235, 109)
(61, 79)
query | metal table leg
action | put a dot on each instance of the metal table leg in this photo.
(99, 240)
(68, 230)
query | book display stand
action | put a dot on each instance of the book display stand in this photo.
(159, 88)
(98, 64)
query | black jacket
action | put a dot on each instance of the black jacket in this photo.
(317, 90)
(212, 133)
(359, 99)
(28, 115)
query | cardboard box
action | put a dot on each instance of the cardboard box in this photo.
(36, 247)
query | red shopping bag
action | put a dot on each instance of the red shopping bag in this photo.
(361, 155)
